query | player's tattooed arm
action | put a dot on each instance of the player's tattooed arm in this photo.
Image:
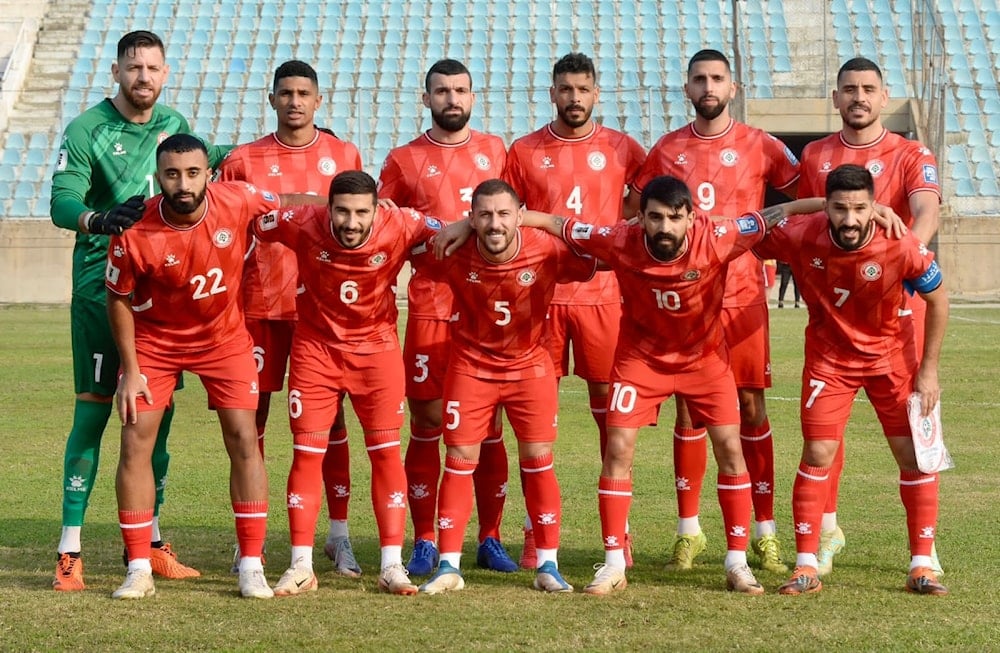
(774, 214)
(544, 221)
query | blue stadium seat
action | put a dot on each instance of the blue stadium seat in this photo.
(19, 208)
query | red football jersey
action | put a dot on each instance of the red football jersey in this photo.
(185, 282)
(349, 295)
(899, 166)
(728, 175)
(853, 297)
(438, 179)
(670, 310)
(501, 307)
(270, 278)
(576, 177)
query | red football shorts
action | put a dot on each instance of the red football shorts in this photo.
(593, 330)
(272, 344)
(746, 329)
(425, 356)
(319, 373)
(532, 406)
(638, 389)
(228, 372)
(827, 399)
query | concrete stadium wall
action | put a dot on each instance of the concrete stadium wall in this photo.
(36, 258)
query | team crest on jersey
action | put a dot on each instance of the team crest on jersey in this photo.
(930, 174)
(747, 225)
(162, 136)
(275, 170)
(268, 221)
(547, 163)
(433, 171)
(377, 260)
(691, 275)
(876, 167)
(826, 167)
(597, 161)
(729, 157)
(171, 261)
(871, 271)
(582, 231)
(327, 166)
(223, 238)
(482, 161)
(527, 278)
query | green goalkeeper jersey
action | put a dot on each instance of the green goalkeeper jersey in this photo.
(104, 159)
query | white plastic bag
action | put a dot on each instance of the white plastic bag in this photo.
(928, 440)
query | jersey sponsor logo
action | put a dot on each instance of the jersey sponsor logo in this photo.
(62, 161)
(720, 231)
(871, 271)
(930, 174)
(876, 167)
(729, 157)
(327, 166)
(817, 263)
(323, 257)
(597, 161)
(747, 225)
(118, 251)
(268, 221)
(433, 223)
(267, 195)
(223, 238)
(473, 277)
(581, 231)
(274, 171)
(527, 277)
(118, 150)
(604, 232)
(171, 261)
(681, 159)
(378, 259)
(923, 249)
(288, 215)
(547, 163)
(691, 275)
(433, 171)
(482, 161)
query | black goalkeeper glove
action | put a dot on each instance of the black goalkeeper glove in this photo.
(117, 219)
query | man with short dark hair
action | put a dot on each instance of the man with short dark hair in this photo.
(298, 157)
(906, 180)
(436, 174)
(850, 273)
(174, 305)
(107, 156)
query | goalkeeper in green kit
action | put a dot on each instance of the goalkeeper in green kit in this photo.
(105, 168)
